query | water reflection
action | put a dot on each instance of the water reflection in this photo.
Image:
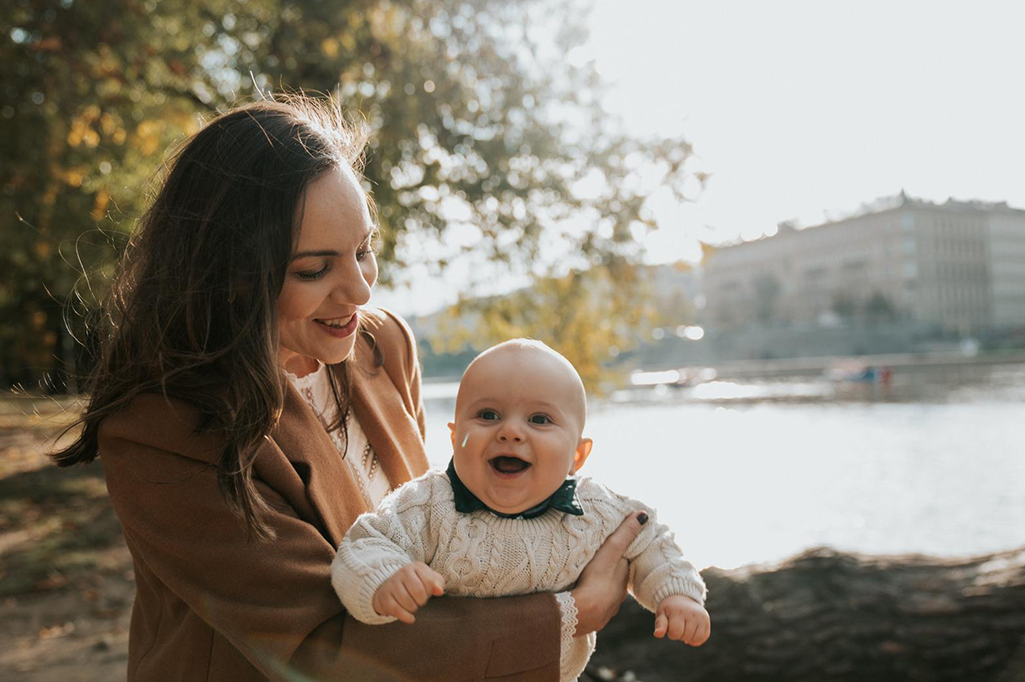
(948, 384)
(754, 471)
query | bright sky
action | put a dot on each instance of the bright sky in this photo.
(801, 107)
(797, 108)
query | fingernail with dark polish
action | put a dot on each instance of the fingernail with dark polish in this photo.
(642, 518)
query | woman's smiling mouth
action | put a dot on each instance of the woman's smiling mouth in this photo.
(339, 327)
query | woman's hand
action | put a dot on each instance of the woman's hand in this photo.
(602, 584)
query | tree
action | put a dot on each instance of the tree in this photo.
(481, 121)
(589, 316)
(90, 105)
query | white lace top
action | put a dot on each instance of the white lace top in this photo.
(352, 443)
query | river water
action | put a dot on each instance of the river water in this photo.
(758, 471)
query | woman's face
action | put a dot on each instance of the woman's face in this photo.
(329, 274)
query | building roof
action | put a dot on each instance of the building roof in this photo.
(881, 205)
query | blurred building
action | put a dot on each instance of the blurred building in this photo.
(959, 266)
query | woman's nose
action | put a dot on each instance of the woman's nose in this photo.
(352, 287)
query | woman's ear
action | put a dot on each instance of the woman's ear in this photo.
(452, 432)
(580, 456)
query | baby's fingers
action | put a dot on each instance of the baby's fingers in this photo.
(415, 589)
(677, 627)
(702, 634)
(661, 625)
(431, 579)
(404, 598)
(391, 607)
(690, 631)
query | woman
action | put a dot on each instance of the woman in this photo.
(248, 408)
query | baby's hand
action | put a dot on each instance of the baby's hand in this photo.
(407, 590)
(683, 619)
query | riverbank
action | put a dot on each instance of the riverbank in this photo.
(819, 366)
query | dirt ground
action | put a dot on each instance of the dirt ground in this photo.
(66, 583)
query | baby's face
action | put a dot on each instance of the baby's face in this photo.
(516, 435)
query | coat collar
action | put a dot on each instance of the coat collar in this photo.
(330, 487)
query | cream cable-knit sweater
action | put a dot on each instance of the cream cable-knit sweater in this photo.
(484, 555)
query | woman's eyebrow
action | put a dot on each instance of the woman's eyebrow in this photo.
(329, 253)
(311, 254)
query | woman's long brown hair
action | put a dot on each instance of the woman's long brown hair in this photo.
(192, 310)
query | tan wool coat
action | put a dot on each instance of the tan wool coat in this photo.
(212, 605)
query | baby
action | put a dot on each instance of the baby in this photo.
(508, 517)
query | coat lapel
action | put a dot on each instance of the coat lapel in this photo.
(388, 421)
(330, 487)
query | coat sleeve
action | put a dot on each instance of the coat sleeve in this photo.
(263, 596)
(381, 542)
(273, 599)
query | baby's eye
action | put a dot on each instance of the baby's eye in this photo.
(488, 415)
(540, 419)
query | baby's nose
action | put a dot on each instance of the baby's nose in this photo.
(510, 434)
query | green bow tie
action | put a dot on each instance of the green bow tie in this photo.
(564, 499)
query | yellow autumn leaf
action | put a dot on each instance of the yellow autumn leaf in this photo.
(74, 178)
(100, 205)
(329, 46)
(148, 134)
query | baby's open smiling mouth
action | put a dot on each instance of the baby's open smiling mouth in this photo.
(504, 464)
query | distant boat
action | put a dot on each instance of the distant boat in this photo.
(853, 371)
(674, 378)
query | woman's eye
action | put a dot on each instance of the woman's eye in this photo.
(368, 247)
(488, 415)
(311, 276)
(540, 419)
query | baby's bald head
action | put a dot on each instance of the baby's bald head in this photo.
(516, 357)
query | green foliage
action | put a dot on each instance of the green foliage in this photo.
(480, 119)
(589, 316)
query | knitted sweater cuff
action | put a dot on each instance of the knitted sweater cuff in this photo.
(683, 586)
(360, 602)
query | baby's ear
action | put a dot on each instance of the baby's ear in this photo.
(580, 456)
(452, 431)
